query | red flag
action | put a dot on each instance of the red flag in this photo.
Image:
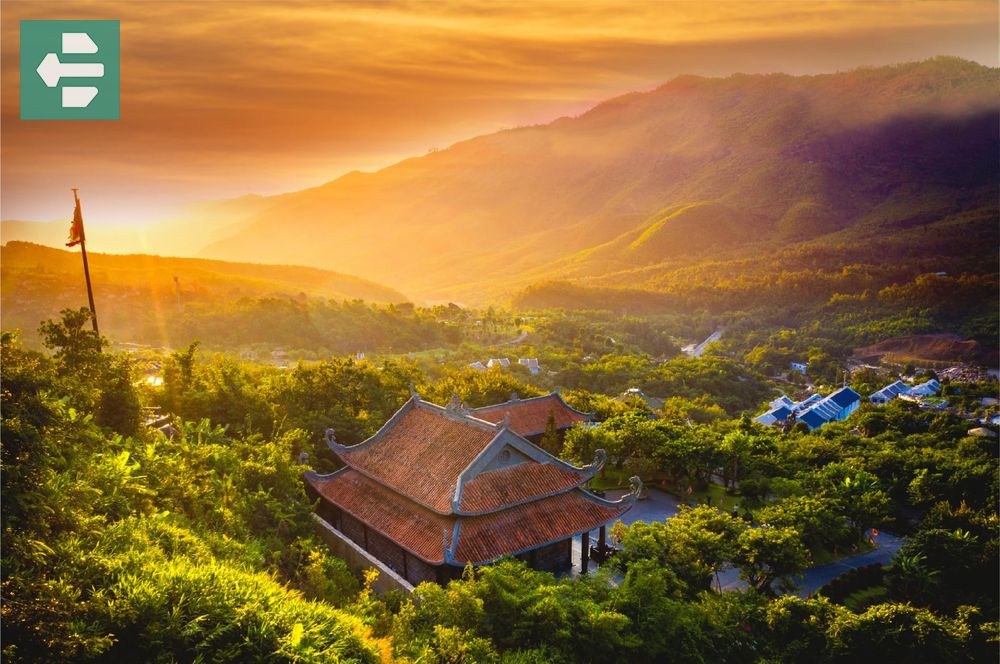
(76, 229)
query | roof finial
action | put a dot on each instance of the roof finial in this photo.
(514, 396)
(303, 458)
(331, 436)
(413, 392)
(600, 458)
(505, 422)
(457, 407)
(636, 487)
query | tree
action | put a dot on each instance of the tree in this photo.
(551, 440)
(769, 555)
(118, 406)
(695, 544)
(77, 349)
(816, 519)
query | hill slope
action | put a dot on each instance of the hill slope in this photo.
(140, 291)
(691, 171)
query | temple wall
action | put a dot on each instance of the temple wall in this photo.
(359, 560)
(555, 557)
(387, 551)
(354, 529)
(417, 571)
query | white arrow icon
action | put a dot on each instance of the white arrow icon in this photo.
(51, 70)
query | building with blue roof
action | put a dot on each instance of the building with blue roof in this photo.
(888, 393)
(831, 408)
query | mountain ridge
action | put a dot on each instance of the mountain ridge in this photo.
(762, 158)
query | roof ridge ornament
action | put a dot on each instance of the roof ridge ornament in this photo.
(514, 396)
(505, 422)
(331, 436)
(457, 407)
(600, 458)
(636, 488)
(413, 392)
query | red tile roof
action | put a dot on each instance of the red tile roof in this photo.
(488, 537)
(481, 538)
(421, 454)
(528, 417)
(515, 484)
(413, 527)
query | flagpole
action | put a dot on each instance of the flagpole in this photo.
(86, 267)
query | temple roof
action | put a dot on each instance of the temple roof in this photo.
(455, 539)
(450, 462)
(421, 453)
(515, 484)
(528, 417)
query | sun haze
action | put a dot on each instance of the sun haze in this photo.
(220, 99)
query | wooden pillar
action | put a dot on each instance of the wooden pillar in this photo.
(584, 552)
(602, 542)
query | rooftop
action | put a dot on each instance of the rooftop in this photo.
(528, 417)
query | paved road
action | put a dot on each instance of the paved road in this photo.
(658, 506)
(815, 578)
(661, 505)
(696, 351)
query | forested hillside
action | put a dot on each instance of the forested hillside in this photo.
(125, 543)
(163, 301)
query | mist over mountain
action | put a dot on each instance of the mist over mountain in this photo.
(696, 169)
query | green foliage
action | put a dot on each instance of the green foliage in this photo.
(122, 543)
(769, 555)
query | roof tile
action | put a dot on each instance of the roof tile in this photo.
(528, 417)
(514, 484)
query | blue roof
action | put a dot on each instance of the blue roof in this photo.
(810, 401)
(844, 397)
(812, 419)
(780, 413)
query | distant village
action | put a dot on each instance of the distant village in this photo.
(817, 409)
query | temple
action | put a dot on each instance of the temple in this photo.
(438, 488)
(529, 417)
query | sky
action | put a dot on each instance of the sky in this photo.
(220, 99)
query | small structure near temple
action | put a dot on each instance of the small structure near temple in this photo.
(438, 488)
(529, 417)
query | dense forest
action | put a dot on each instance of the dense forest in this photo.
(124, 543)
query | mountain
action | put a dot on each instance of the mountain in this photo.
(136, 294)
(698, 169)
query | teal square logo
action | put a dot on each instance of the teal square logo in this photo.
(70, 70)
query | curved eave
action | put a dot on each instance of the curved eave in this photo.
(624, 504)
(310, 475)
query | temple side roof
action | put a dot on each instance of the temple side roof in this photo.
(412, 526)
(516, 484)
(528, 417)
(457, 540)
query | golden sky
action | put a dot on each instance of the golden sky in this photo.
(224, 98)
